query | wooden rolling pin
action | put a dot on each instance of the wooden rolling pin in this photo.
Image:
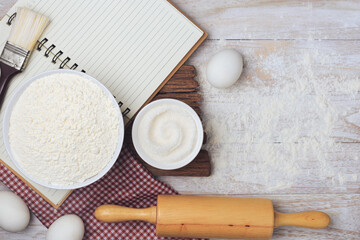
(213, 217)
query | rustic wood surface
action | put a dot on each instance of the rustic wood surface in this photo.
(256, 27)
(183, 87)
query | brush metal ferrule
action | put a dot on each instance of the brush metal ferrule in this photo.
(15, 56)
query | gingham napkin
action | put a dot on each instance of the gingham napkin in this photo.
(128, 183)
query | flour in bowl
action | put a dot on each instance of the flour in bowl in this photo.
(64, 129)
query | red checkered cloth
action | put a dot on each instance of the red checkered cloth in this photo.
(128, 183)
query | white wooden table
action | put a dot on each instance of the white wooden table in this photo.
(260, 29)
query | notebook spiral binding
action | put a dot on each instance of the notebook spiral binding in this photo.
(57, 56)
(11, 18)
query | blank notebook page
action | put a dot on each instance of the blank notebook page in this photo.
(129, 46)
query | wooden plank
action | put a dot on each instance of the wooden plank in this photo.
(183, 96)
(280, 19)
(182, 81)
(346, 129)
(238, 170)
(180, 87)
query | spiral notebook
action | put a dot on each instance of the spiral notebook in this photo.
(132, 47)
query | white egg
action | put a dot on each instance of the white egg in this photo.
(65, 228)
(14, 214)
(224, 68)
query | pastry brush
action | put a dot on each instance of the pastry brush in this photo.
(27, 28)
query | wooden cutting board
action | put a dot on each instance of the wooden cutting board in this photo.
(182, 86)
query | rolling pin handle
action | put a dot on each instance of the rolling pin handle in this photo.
(114, 213)
(311, 219)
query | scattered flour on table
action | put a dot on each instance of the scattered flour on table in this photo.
(63, 129)
(283, 122)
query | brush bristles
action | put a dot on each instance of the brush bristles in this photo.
(27, 28)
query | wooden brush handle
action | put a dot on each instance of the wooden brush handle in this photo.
(5, 75)
(311, 219)
(114, 213)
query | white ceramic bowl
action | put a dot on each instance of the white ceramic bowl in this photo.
(164, 165)
(15, 98)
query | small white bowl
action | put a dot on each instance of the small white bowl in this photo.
(172, 165)
(6, 124)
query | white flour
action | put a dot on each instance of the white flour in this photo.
(282, 125)
(63, 129)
